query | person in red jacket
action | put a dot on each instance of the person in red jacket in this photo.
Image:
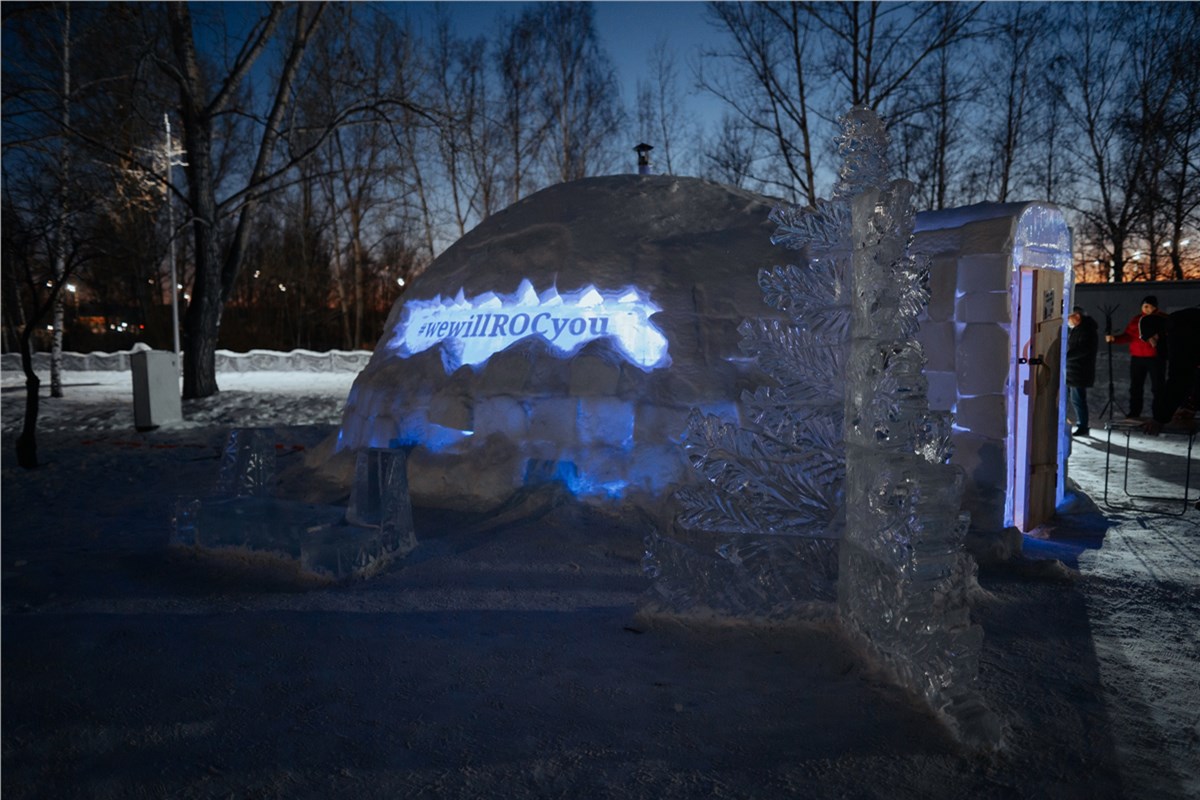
(1145, 335)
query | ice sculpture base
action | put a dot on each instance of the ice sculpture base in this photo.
(327, 543)
(741, 575)
(314, 538)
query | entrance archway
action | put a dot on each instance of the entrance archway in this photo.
(1000, 280)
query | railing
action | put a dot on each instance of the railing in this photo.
(227, 361)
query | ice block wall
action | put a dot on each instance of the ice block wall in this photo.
(967, 332)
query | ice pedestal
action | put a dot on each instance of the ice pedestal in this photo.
(380, 499)
(328, 541)
(741, 575)
(248, 463)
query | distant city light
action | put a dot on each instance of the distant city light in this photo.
(71, 288)
(282, 288)
(400, 281)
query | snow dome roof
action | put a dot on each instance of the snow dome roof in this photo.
(570, 334)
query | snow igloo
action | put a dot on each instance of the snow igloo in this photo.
(567, 338)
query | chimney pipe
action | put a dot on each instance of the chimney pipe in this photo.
(643, 158)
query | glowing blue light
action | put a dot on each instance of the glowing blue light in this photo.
(433, 437)
(471, 331)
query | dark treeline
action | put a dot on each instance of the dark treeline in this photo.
(323, 155)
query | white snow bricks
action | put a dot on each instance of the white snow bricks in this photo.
(606, 426)
(967, 338)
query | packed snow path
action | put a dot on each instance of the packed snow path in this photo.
(512, 661)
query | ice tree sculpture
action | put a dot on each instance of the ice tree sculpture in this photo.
(838, 482)
(903, 571)
(760, 536)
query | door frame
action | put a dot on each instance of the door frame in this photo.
(1028, 431)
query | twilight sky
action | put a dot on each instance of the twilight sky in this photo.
(628, 32)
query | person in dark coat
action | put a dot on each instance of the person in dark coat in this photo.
(1147, 354)
(1083, 340)
(1182, 331)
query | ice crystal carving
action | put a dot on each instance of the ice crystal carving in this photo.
(903, 573)
(863, 146)
(247, 463)
(760, 535)
(838, 475)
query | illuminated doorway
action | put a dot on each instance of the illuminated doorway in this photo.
(1000, 277)
(1036, 419)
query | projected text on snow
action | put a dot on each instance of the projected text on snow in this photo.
(472, 330)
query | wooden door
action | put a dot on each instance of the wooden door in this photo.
(1036, 409)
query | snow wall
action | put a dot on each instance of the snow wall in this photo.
(569, 337)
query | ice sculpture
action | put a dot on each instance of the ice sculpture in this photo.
(760, 536)
(325, 542)
(248, 463)
(837, 484)
(903, 573)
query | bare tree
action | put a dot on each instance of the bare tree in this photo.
(207, 95)
(1180, 185)
(481, 130)
(767, 88)
(874, 49)
(463, 136)
(64, 166)
(358, 168)
(932, 137)
(796, 66)
(1164, 85)
(1112, 56)
(524, 132)
(661, 117)
(1012, 69)
(57, 191)
(202, 102)
(729, 157)
(579, 91)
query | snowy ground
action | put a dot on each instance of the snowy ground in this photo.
(512, 662)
